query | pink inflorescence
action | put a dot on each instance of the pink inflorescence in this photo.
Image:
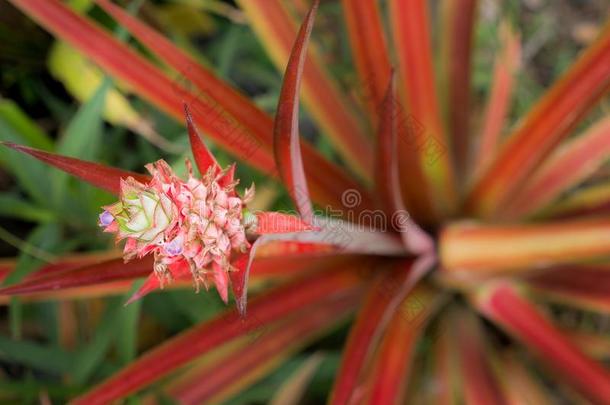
(198, 221)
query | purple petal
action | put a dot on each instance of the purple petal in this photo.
(106, 219)
(174, 247)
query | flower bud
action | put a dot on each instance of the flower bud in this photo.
(141, 213)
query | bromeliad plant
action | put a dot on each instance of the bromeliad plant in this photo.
(522, 240)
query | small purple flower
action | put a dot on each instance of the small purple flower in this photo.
(106, 219)
(174, 248)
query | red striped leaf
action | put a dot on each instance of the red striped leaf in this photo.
(344, 238)
(566, 167)
(391, 366)
(498, 103)
(384, 296)
(92, 274)
(549, 122)
(286, 144)
(203, 338)
(294, 249)
(88, 292)
(180, 271)
(240, 276)
(457, 28)
(273, 343)
(503, 305)
(368, 44)
(104, 177)
(480, 383)
(583, 286)
(242, 266)
(387, 183)
(67, 262)
(276, 222)
(64, 280)
(411, 30)
(201, 77)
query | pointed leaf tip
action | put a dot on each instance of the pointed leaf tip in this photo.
(387, 176)
(151, 284)
(179, 271)
(239, 277)
(203, 157)
(286, 145)
(104, 177)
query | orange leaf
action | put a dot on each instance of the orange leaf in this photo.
(566, 167)
(412, 38)
(539, 133)
(506, 64)
(368, 44)
(457, 27)
(472, 249)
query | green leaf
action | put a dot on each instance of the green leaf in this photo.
(31, 176)
(92, 355)
(44, 238)
(27, 390)
(127, 338)
(82, 137)
(21, 123)
(44, 358)
(14, 206)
